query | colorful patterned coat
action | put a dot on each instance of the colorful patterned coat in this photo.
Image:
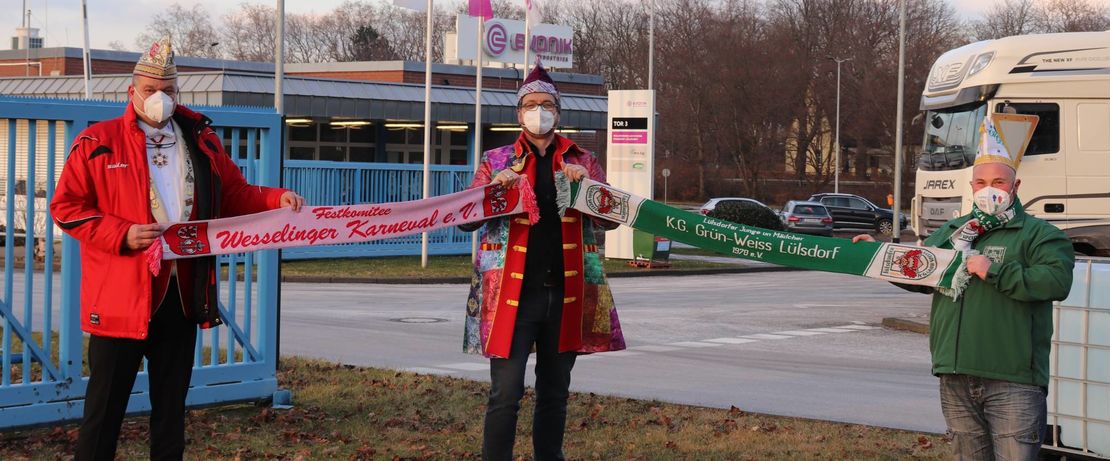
(589, 322)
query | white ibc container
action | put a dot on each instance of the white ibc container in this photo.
(1079, 384)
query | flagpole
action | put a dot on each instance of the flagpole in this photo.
(527, 35)
(896, 220)
(427, 128)
(477, 121)
(279, 60)
(85, 51)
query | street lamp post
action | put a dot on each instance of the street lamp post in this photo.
(897, 220)
(836, 154)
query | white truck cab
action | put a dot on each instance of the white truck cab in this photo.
(1065, 173)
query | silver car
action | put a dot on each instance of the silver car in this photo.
(805, 217)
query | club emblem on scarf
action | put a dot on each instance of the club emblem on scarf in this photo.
(499, 199)
(611, 204)
(908, 263)
(187, 239)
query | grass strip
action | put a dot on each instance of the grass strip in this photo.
(353, 413)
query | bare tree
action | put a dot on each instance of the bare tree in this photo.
(248, 34)
(1011, 17)
(117, 46)
(368, 45)
(1072, 16)
(191, 31)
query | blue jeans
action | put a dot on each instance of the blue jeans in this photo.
(537, 322)
(990, 419)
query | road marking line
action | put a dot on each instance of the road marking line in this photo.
(765, 336)
(732, 340)
(858, 327)
(654, 348)
(833, 330)
(695, 344)
(427, 371)
(467, 366)
(799, 333)
(624, 353)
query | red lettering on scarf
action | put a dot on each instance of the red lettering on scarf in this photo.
(240, 239)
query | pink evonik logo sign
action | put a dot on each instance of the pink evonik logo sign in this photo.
(496, 39)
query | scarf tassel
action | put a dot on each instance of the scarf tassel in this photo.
(528, 196)
(153, 255)
(960, 279)
(562, 192)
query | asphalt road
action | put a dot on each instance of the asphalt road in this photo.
(801, 344)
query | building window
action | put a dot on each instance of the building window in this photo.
(406, 145)
(333, 153)
(324, 141)
(302, 153)
(303, 133)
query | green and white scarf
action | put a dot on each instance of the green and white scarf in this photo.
(892, 262)
(963, 238)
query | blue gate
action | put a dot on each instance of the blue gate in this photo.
(43, 378)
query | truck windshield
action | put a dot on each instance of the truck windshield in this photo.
(951, 137)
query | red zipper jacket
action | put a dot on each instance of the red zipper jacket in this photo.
(104, 189)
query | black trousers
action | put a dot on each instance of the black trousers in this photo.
(113, 364)
(537, 322)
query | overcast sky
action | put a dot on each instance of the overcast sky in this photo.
(123, 20)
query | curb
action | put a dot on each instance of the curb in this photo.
(915, 325)
(465, 280)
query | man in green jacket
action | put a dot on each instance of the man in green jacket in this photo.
(990, 345)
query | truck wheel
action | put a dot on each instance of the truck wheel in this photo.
(886, 227)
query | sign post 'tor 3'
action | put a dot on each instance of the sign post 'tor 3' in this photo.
(630, 157)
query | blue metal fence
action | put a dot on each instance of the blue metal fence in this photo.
(341, 183)
(42, 380)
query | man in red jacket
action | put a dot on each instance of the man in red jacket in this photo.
(124, 179)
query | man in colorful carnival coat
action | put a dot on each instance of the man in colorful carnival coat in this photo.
(538, 285)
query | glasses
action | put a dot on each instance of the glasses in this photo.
(546, 105)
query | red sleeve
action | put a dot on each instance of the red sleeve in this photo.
(75, 206)
(238, 197)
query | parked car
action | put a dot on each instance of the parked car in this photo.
(807, 217)
(741, 201)
(854, 212)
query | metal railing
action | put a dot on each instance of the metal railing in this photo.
(344, 183)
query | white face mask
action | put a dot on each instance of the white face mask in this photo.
(158, 107)
(539, 122)
(993, 201)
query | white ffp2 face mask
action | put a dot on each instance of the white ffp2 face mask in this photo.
(993, 201)
(539, 122)
(158, 106)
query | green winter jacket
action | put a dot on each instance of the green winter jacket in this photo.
(1001, 328)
